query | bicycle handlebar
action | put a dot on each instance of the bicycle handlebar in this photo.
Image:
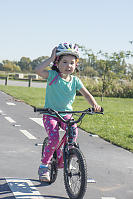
(89, 111)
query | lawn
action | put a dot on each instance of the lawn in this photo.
(115, 126)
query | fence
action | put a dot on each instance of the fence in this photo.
(6, 81)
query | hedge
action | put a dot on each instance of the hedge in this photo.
(122, 89)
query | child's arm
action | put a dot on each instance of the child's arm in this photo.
(40, 70)
(90, 98)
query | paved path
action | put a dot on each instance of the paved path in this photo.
(23, 83)
(109, 166)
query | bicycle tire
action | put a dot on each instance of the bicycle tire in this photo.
(53, 169)
(72, 178)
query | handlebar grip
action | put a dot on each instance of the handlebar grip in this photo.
(35, 109)
(93, 110)
(45, 110)
(38, 109)
(102, 110)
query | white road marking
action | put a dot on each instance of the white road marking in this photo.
(38, 121)
(91, 180)
(27, 134)
(23, 188)
(93, 135)
(38, 144)
(10, 104)
(10, 119)
(16, 125)
(1, 113)
(108, 198)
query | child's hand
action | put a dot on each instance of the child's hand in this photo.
(97, 108)
(53, 55)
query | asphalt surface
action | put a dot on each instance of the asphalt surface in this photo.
(23, 83)
(110, 167)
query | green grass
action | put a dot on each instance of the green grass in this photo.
(32, 96)
(115, 126)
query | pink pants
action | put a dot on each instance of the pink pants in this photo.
(52, 125)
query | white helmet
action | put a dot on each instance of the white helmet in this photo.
(67, 48)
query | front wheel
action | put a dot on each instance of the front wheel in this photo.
(75, 174)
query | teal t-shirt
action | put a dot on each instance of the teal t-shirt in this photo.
(60, 94)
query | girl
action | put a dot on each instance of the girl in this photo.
(60, 94)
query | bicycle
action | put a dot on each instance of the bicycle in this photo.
(75, 167)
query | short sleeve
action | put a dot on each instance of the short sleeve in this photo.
(79, 84)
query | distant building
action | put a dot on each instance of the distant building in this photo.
(33, 76)
(19, 76)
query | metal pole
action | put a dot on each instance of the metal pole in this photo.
(30, 80)
(6, 80)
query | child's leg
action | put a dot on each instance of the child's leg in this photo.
(74, 128)
(52, 129)
(74, 137)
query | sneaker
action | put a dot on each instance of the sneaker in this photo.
(44, 173)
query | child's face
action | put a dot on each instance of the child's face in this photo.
(67, 64)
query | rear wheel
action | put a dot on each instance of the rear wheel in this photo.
(53, 169)
(75, 174)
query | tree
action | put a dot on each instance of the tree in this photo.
(106, 74)
(91, 57)
(103, 66)
(130, 71)
(38, 61)
(16, 68)
(1, 66)
(10, 66)
(25, 64)
(90, 72)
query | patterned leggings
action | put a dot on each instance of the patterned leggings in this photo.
(52, 125)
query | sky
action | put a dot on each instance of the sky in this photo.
(32, 28)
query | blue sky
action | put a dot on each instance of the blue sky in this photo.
(31, 28)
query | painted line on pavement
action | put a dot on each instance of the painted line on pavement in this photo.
(108, 198)
(1, 113)
(10, 104)
(91, 180)
(27, 134)
(23, 188)
(38, 121)
(10, 119)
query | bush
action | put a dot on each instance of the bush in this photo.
(116, 89)
(124, 90)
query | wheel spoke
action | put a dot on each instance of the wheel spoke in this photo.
(75, 178)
